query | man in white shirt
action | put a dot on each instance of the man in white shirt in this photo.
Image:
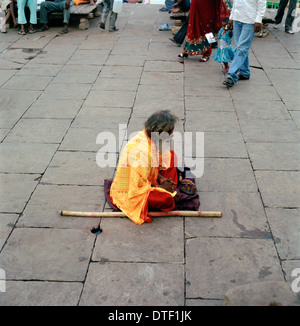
(246, 19)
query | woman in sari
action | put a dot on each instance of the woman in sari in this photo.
(205, 17)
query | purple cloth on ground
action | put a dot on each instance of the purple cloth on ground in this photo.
(183, 202)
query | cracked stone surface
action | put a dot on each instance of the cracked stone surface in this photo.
(59, 93)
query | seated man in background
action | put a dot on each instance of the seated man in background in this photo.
(56, 5)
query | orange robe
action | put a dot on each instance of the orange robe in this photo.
(136, 178)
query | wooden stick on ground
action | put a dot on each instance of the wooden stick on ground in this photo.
(153, 214)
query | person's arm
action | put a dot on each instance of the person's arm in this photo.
(67, 4)
(165, 183)
(261, 9)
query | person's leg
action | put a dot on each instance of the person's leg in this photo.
(33, 8)
(21, 13)
(158, 200)
(290, 15)
(280, 11)
(66, 13)
(112, 21)
(244, 35)
(105, 12)
(47, 6)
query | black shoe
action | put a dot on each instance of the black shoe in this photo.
(102, 25)
(242, 77)
(228, 82)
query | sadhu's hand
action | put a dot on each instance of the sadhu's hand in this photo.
(168, 185)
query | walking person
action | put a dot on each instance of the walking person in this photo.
(246, 19)
(289, 17)
(225, 51)
(107, 8)
(32, 5)
(205, 17)
(179, 37)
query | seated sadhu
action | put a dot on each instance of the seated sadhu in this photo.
(146, 178)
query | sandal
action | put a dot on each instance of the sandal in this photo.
(228, 82)
(114, 29)
(64, 31)
(172, 40)
(32, 31)
(22, 31)
(43, 29)
(204, 59)
(183, 55)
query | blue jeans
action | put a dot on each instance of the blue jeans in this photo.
(243, 37)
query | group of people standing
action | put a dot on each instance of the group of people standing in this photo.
(239, 19)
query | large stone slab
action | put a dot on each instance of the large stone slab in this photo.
(47, 254)
(31, 83)
(262, 294)
(269, 131)
(243, 216)
(37, 293)
(76, 168)
(101, 118)
(77, 74)
(261, 93)
(72, 92)
(211, 121)
(279, 188)
(134, 60)
(285, 225)
(136, 284)
(226, 175)
(92, 57)
(123, 240)
(83, 139)
(217, 144)
(15, 191)
(7, 222)
(161, 65)
(115, 84)
(121, 71)
(269, 110)
(202, 103)
(39, 131)
(111, 99)
(34, 69)
(296, 117)
(162, 78)
(48, 200)
(215, 265)
(268, 156)
(52, 109)
(25, 157)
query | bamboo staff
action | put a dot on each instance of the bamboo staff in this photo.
(152, 214)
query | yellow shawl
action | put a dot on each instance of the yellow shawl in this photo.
(136, 176)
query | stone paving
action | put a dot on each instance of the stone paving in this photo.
(59, 92)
